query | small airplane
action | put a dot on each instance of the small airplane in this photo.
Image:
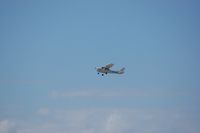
(106, 70)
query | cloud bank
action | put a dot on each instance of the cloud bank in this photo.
(102, 93)
(105, 121)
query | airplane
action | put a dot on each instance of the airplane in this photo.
(106, 70)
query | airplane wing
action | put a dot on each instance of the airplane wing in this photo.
(109, 66)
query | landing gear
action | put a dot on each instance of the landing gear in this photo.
(97, 73)
(102, 74)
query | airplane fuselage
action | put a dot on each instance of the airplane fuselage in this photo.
(105, 70)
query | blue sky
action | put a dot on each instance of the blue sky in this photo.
(49, 49)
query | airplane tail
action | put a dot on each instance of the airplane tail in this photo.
(121, 71)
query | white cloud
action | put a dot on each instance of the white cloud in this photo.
(57, 94)
(115, 123)
(115, 93)
(99, 93)
(112, 121)
(105, 120)
(6, 126)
